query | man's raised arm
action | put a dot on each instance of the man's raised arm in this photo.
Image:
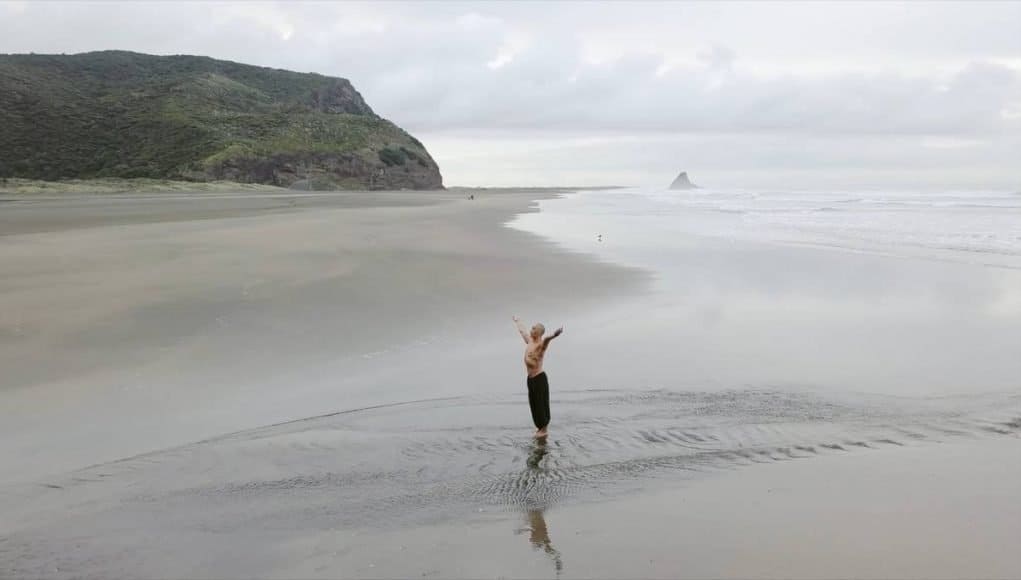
(521, 329)
(549, 339)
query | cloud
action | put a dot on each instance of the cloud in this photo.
(13, 7)
(751, 73)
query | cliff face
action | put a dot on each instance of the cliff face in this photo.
(320, 171)
(121, 114)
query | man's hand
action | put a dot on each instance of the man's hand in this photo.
(548, 339)
(521, 329)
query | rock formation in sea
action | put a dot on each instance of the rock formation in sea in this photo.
(682, 182)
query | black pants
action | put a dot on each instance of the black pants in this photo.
(538, 399)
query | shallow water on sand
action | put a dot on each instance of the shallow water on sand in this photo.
(239, 504)
(755, 288)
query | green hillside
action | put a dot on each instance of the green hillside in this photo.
(128, 115)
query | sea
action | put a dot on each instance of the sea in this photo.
(637, 224)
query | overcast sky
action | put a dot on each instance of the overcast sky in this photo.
(802, 95)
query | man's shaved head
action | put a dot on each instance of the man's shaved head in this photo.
(538, 330)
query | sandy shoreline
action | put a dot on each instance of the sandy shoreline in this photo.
(220, 335)
(127, 310)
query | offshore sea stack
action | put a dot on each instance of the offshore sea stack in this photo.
(682, 182)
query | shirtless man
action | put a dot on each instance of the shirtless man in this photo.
(538, 383)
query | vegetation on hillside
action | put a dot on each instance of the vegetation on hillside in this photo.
(129, 115)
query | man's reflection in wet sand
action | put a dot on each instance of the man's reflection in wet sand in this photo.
(538, 534)
(539, 537)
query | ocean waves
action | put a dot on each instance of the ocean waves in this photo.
(959, 226)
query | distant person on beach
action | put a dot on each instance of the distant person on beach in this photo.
(538, 383)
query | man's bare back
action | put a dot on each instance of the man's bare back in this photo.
(538, 384)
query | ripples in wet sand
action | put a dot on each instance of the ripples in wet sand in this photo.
(430, 461)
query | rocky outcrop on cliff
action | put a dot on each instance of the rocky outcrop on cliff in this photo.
(325, 171)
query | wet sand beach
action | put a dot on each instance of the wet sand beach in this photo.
(329, 385)
(941, 511)
(162, 318)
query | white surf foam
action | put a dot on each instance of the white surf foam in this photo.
(969, 226)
